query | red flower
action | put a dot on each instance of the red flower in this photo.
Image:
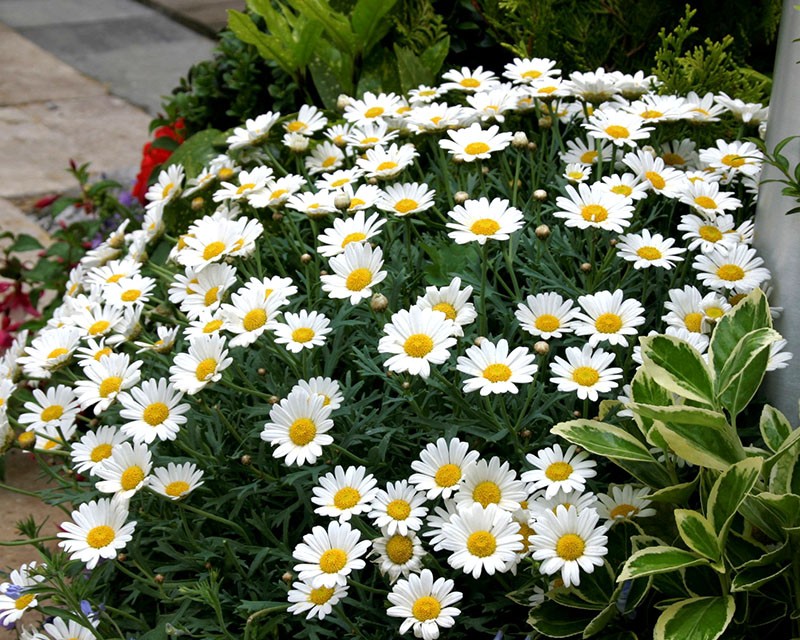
(153, 157)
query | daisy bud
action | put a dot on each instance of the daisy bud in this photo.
(478, 340)
(649, 149)
(208, 565)
(542, 232)
(532, 146)
(372, 181)
(343, 101)
(461, 197)
(586, 267)
(115, 241)
(379, 302)
(26, 440)
(274, 399)
(121, 557)
(541, 348)
(246, 459)
(226, 173)
(158, 578)
(485, 170)
(306, 258)
(296, 142)
(322, 272)
(520, 140)
(406, 385)
(546, 122)
(576, 413)
(261, 371)
(342, 201)
(277, 216)
(613, 242)
(525, 433)
(287, 577)
(540, 195)
(197, 203)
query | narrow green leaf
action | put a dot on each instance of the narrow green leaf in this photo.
(25, 242)
(654, 560)
(678, 367)
(603, 439)
(698, 534)
(729, 491)
(600, 621)
(774, 426)
(269, 47)
(751, 313)
(744, 369)
(337, 26)
(755, 577)
(695, 618)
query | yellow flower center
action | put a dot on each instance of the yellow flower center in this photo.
(714, 312)
(131, 295)
(617, 131)
(585, 376)
(212, 295)
(558, 471)
(23, 601)
(400, 549)
(622, 190)
(205, 369)
(649, 114)
(154, 414)
(101, 326)
(709, 233)
(225, 173)
(373, 112)
(176, 488)
(655, 179)
(693, 321)
(167, 188)
(26, 439)
(321, 595)
(485, 227)
(436, 119)
(356, 202)
(329, 161)
(102, 352)
(295, 126)
(525, 531)
(673, 159)
(53, 412)
(52, 444)
(110, 385)
(245, 187)
(398, 509)
(213, 249)
(481, 544)
(100, 452)
(346, 498)
(426, 608)
(212, 326)
(730, 272)
(447, 309)
(547, 90)
(477, 148)
(570, 546)
(623, 511)
(705, 202)
(594, 213)
(447, 475)
(648, 253)
(115, 278)
(470, 83)
(358, 279)
(547, 323)
(278, 193)
(576, 175)
(486, 492)
(497, 372)
(588, 157)
(608, 323)
(387, 165)
(418, 345)
(302, 431)
(733, 160)
(333, 560)
(56, 353)
(302, 335)
(131, 477)
(405, 205)
(531, 73)
(254, 319)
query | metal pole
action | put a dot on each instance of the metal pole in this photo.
(777, 235)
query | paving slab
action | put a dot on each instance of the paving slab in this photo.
(13, 219)
(209, 15)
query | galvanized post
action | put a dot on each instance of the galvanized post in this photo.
(777, 236)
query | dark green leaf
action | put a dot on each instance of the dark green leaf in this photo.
(744, 369)
(696, 618)
(751, 313)
(698, 534)
(774, 427)
(654, 560)
(678, 367)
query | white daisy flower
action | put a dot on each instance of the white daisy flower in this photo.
(706, 198)
(250, 315)
(176, 481)
(526, 70)
(208, 323)
(328, 556)
(576, 173)
(214, 240)
(778, 358)
(732, 159)
(53, 437)
(593, 86)
(557, 470)
(578, 152)
(95, 447)
(358, 228)
(277, 191)
(691, 310)
(586, 372)
(709, 235)
(204, 363)
(653, 172)
(99, 320)
(481, 220)
(56, 407)
(48, 351)
(680, 154)
(60, 629)
(299, 426)
(424, 94)
(482, 540)
(355, 272)
(624, 503)
(126, 471)
(575, 499)
(282, 288)
(338, 180)
(128, 291)
(307, 122)
(398, 555)
(371, 107)
(304, 330)
(386, 163)
(344, 493)
(254, 132)
(489, 106)
(370, 134)
(647, 250)
(111, 272)
(426, 605)
(106, 378)
(453, 302)
(417, 338)
(315, 603)
(398, 509)
(438, 116)
(153, 410)
(364, 197)
(468, 80)
(475, 143)
(326, 156)
(738, 270)
(163, 343)
(626, 186)
(494, 369)
(167, 187)
(441, 467)
(619, 127)
(326, 388)
(250, 184)
(314, 204)
(98, 531)
(568, 541)
(405, 199)
(15, 595)
(594, 207)
(607, 316)
(546, 315)
(491, 483)
(654, 108)
(207, 289)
